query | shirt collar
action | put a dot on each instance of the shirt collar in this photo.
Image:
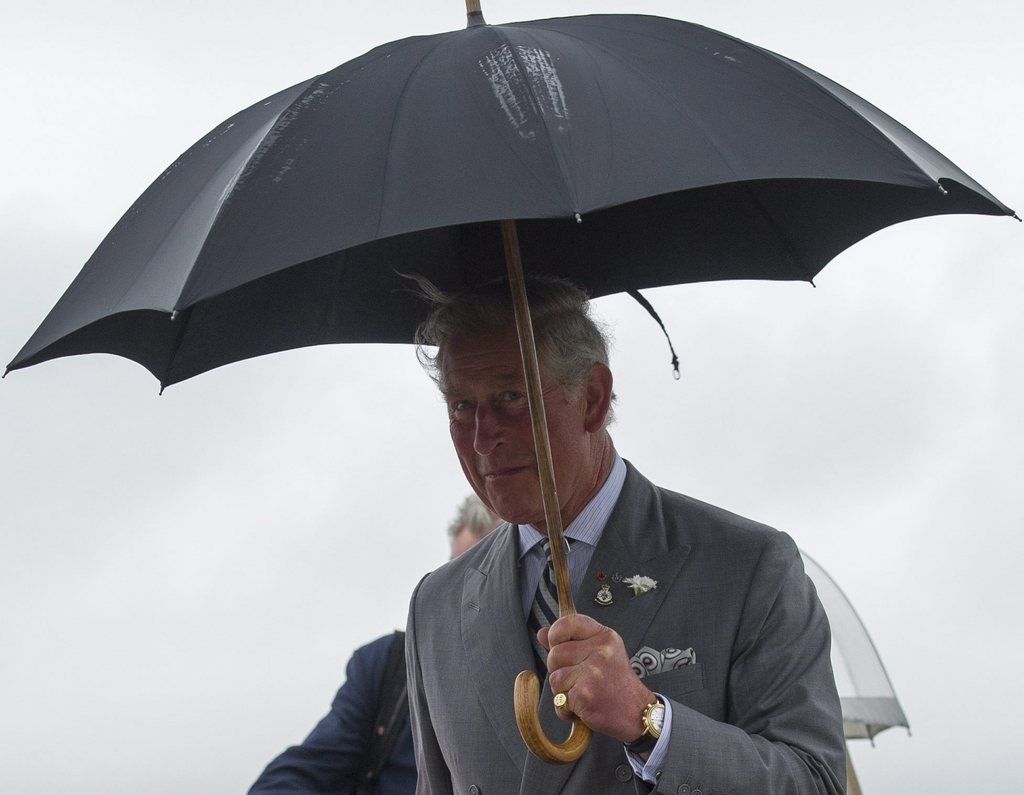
(590, 523)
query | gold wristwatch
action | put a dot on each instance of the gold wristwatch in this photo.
(653, 720)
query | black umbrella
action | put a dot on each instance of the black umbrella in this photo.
(635, 152)
(688, 156)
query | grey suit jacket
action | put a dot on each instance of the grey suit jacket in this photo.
(758, 713)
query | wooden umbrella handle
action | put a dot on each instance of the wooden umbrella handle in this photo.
(527, 689)
(527, 697)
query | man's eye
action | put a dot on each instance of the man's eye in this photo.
(460, 405)
(511, 396)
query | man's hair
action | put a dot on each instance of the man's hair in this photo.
(475, 515)
(569, 341)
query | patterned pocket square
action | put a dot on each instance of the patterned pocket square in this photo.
(648, 661)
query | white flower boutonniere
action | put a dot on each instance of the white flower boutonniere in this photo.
(640, 584)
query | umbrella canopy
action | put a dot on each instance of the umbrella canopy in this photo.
(637, 152)
(869, 701)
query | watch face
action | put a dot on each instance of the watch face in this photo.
(658, 718)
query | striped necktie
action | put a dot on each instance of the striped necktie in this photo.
(544, 610)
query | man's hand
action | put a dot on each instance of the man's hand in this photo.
(588, 662)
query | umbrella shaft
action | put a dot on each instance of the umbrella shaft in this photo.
(542, 445)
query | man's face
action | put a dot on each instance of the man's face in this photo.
(490, 426)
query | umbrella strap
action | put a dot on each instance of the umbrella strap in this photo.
(635, 294)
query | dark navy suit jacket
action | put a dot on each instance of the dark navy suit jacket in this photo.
(330, 757)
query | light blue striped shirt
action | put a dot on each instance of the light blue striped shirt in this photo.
(586, 530)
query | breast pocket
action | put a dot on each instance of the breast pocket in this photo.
(678, 682)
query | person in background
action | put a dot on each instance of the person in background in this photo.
(364, 744)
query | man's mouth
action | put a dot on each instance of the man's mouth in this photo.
(504, 472)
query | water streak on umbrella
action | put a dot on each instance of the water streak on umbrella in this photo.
(540, 89)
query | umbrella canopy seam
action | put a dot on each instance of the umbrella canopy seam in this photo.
(850, 114)
(443, 39)
(650, 79)
(570, 189)
(883, 142)
(705, 134)
(225, 196)
(248, 167)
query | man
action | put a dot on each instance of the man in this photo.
(364, 744)
(690, 617)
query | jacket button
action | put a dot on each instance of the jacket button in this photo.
(474, 790)
(684, 789)
(623, 773)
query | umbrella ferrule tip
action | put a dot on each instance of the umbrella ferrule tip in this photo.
(174, 314)
(579, 218)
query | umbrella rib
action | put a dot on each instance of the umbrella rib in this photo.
(613, 148)
(794, 256)
(883, 141)
(115, 304)
(661, 90)
(571, 196)
(611, 130)
(394, 121)
(515, 153)
(182, 320)
(782, 61)
(529, 169)
(239, 179)
(229, 188)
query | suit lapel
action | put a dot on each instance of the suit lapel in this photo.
(635, 541)
(495, 637)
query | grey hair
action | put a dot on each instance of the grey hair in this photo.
(569, 341)
(476, 516)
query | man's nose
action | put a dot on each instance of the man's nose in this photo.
(488, 433)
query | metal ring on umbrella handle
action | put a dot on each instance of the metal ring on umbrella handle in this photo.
(527, 697)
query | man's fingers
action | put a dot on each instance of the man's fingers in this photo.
(571, 640)
(566, 711)
(562, 680)
(574, 627)
(569, 653)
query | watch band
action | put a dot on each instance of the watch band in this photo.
(643, 745)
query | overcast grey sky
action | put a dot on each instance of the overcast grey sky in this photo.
(183, 577)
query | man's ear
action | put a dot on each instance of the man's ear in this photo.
(597, 397)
